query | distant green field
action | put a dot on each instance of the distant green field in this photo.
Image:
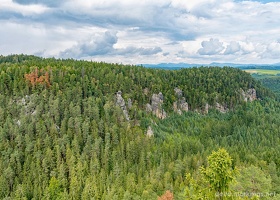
(263, 71)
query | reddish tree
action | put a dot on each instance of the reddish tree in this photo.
(166, 196)
(34, 78)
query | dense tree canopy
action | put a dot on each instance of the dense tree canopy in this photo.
(62, 136)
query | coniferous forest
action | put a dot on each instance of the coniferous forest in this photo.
(63, 134)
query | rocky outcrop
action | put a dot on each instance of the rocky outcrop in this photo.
(129, 103)
(206, 108)
(250, 95)
(18, 122)
(221, 108)
(148, 108)
(150, 132)
(28, 104)
(146, 91)
(203, 110)
(24, 100)
(121, 103)
(178, 92)
(156, 106)
(181, 104)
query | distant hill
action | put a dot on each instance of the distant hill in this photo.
(174, 66)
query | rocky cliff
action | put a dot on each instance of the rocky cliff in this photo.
(181, 104)
(250, 95)
(121, 103)
(156, 106)
(221, 108)
(150, 132)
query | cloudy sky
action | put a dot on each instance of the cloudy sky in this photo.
(146, 31)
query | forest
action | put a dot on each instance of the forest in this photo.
(63, 136)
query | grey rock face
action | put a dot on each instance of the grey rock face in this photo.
(181, 104)
(149, 107)
(250, 95)
(129, 103)
(206, 109)
(146, 91)
(121, 103)
(156, 106)
(221, 108)
(28, 104)
(178, 92)
(150, 132)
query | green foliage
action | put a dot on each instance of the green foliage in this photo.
(197, 189)
(71, 141)
(272, 83)
(253, 180)
(219, 172)
(55, 190)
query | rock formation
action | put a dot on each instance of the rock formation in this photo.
(156, 106)
(148, 108)
(28, 104)
(146, 91)
(250, 95)
(129, 103)
(181, 104)
(206, 108)
(150, 132)
(178, 92)
(221, 108)
(121, 103)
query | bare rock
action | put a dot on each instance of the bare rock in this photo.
(120, 100)
(121, 103)
(34, 112)
(206, 109)
(149, 107)
(150, 132)
(156, 106)
(221, 108)
(179, 112)
(178, 92)
(18, 122)
(250, 95)
(181, 104)
(129, 103)
(184, 106)
(28, 104)
(146, 91)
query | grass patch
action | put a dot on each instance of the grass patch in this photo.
(263, 71)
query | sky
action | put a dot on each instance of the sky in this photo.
(146, 31)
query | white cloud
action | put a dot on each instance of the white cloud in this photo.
(247, 47)
(42, 2)
(232, 48)
(273, 50)
(96, 45)
(103, 44)
(10, 6)
(191, 4)
(211, 47)
(169, 30)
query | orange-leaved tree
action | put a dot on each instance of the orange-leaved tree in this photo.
(166, 196)
(37, 77)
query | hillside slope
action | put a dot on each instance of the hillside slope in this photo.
(77, 129)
